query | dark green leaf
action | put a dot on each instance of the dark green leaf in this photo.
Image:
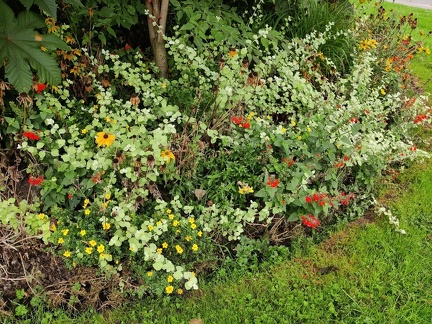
(7, 18)
(17, 73)
(27, 3)
(28, 19)
(53, 42)
(49, 6)
(102, 38)
(76, 3)
(111, 31)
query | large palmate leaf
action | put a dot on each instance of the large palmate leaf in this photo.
(20, 49)
(49, 6)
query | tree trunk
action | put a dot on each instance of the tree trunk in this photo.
(156, 21)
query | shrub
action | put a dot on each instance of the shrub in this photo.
(153, 175)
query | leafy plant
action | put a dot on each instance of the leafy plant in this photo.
(23, 48)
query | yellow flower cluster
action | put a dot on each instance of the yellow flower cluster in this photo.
(244, 188)
(367, 44)
(426, 50)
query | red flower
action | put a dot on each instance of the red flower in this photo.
(354, 120)
(308, 199)
(40, 87)
(237, 120)
(310, 221)
(346, 158)
(273, 183)
(245, 125)
(35, 181)
(69, 196)
(127, 47)
(413, 148)
(32, 136)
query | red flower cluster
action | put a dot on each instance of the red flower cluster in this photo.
(321, 199)
(288, 162)
(310, 221)
(35, 181)
(354, 120)
(127, 47)
(40, 87)
(339, 165)
(239, 121)
(344, 199)
(413, 148)
(419, 118)
(273, 183)
(32, 136)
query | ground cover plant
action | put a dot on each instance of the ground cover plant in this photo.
(141, 185)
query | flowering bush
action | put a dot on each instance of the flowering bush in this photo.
(145, 174)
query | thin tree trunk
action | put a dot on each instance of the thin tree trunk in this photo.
(158, 13)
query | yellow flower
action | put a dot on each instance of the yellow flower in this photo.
(193, 226)
(84, 131)
(168, 211)
(299, 138)
(308, 129)
(163, 85)
(191, 220)
(41, 215)
(105, 205)
(167, 155)
(93, 243)
(169, 289)
(188, 238)
(65, 231)
(89, 250)
(67, 254)
(179, 249)
(159, 222)
(171, 216)
(150, 227)
(108, 120)
(383, 92)
(101, 248)
(106, 226)
(60, 240)
(194, 247)
(175, 223)
(293, 123)
(245, 189)
(283, 130)
(149, 274)
(179, 291)
(199, 233)
(102, 255)
(69, 40)
(104, 138)
(83, 232)
(170, 278)
(159, 250)
(165, 245)
(107, 196)
(86, 202)
(53, 227)
(87, 212)
(233, 52)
